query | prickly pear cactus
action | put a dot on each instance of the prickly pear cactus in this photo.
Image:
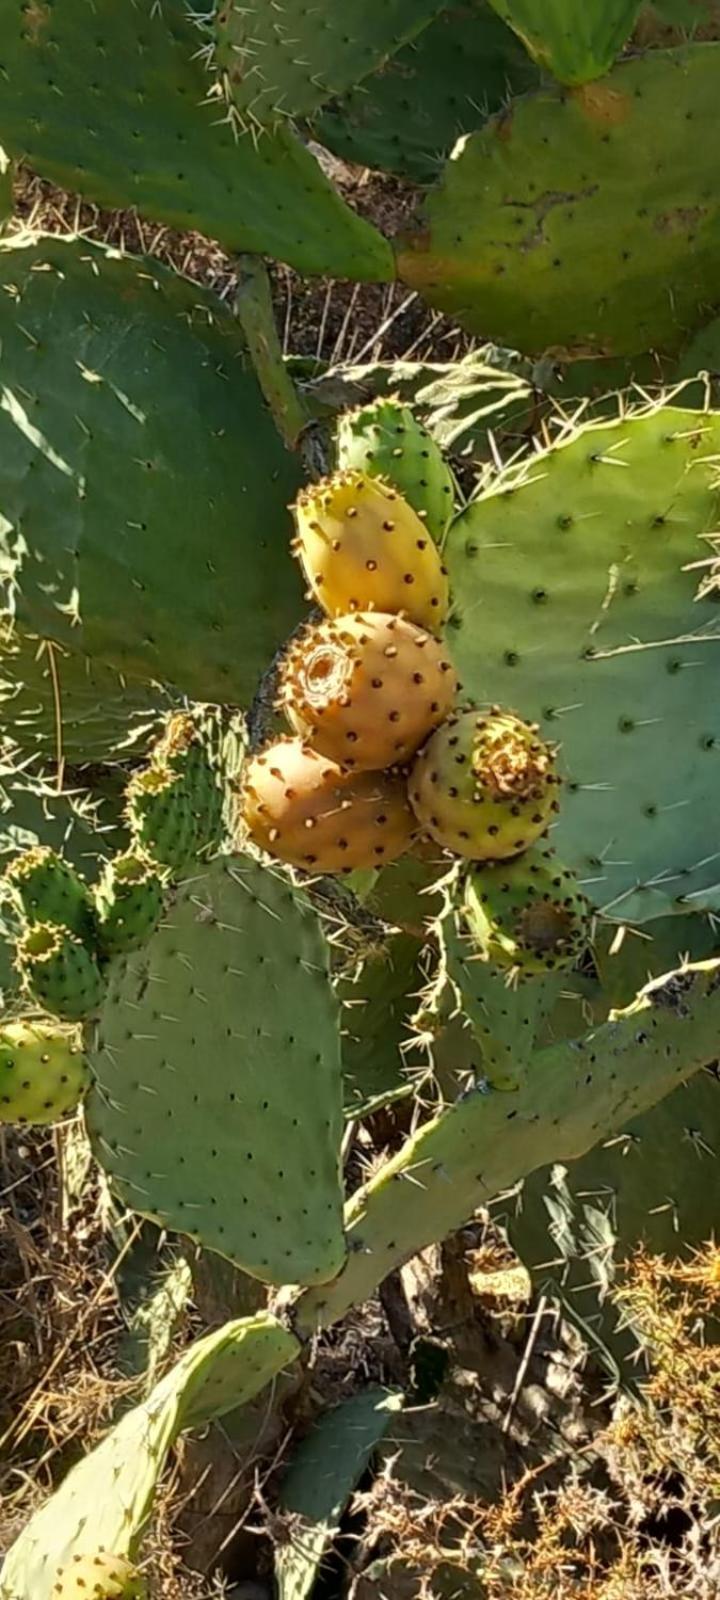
(308, 811)
(100, 1576)
(281, 63)
(45, 888)
(161, 818)
(362, 547)
(385, 440)
(485, 784)
(106, 1499)
(129, 902)
(125, 554)
(153, 137)
(59, 704)
(217, 1108)
(367, 689)
(43, 1072)
(575, 598)
(59, 972)
(576, 40)
(527, 916)
(558, 224)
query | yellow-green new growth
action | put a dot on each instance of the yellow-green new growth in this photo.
(43, 1073)
(99, 1576)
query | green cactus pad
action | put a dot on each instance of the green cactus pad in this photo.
(284, 61)
(576, 40)
(218, 1102)
(407, 117)
(385, 440)
(161, 818)
(129, 900)
(579, 1093)
(48, 889)
(192, 748)
(155, 443)
(527, 916)
(54, 703)
(153, 136)
(378, 998)
(561, 223)
(106, 1499)
(59, 972)
(43, 1073)
(572, 602)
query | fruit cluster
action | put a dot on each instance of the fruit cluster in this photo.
(380, 754)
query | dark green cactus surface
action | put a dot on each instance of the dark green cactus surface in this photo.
(573, 602)
(576, 40)
(562, 222)
(57, 703)
(144, 522)
(152, 135)
(218, 1106)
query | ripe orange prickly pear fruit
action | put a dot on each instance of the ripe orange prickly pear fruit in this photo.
(485, 785)
(366, 690)
(363, 548)
(308, 811)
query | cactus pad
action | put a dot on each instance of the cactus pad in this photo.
(527, 916)
(309, 812)
(485, 785)
(106, 1499)
(55, 703)
(285, 61)
(100, 1577)
(59, 971)
(366, 690)
(43, 1073)
(572, 600)
(161, 818)
(363, 547)
(129, 900)
(576, 40)
(505, 1020)
(385, 440)
(218, 1105)
(560, 223)
(153, 136)
(125, 552)
(48, 889)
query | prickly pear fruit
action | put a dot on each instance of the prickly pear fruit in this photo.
(365, 690)
(528, 915)
(363, 548)
(384, 439)
(43, 1072)
(59, 971)
(129, 899)
(484, 785)
(305, 809)
(99, 1577)
(46, 889)
(159, 810)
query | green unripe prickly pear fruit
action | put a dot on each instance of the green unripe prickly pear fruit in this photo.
(485, 785)
(129, 900)
(363, 548)
(160, 813)
(59, 971)
(99, 1577)
(186, 749)
(527, 915)
(384, 439)
(43, 1073)
(46, 889)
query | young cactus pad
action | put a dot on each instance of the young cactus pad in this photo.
(362, 547)
(572, 599)
(100, 1576)
(154, 137)
(129, 900)
(59, 971)
(560, 223)
(218, 1106)
(385, 440)
(367, 689)
(48, 889)
(125, 554)
(576, 40)
(43, 1072)
(106, 1499)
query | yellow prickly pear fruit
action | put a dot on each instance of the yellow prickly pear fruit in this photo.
(99, 1577)
(310, 812)
(363, 548)
(366, 690)
(485, 785)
